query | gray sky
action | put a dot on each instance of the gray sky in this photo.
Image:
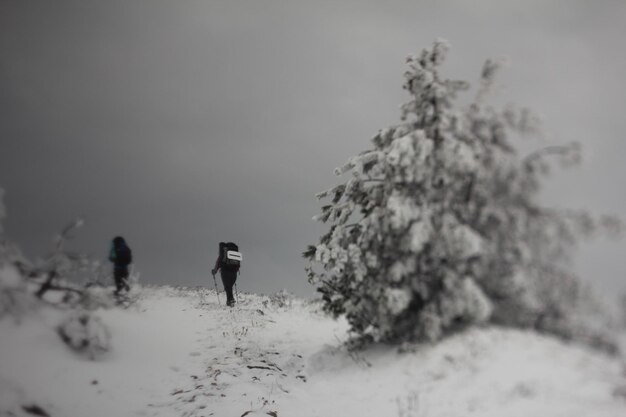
(178, 124)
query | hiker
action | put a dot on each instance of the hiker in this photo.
(121, 256)
(228, 263)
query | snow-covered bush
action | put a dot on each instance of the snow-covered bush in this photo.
(85, 333)
(281, 299)
(26, 287)
(52, 275)
(15, 299)
(438, 225)
(62, 264)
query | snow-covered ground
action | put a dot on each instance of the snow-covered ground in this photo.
(179, 353)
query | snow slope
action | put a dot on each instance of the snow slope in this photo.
(179, 353)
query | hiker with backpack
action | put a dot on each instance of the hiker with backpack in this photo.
(228, 263)
(121, 256)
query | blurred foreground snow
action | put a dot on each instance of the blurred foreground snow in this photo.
(176, 352)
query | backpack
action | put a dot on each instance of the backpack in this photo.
(123, 256)
(231, 257)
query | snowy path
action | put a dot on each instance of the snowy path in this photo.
(181, 354)
(254, 356)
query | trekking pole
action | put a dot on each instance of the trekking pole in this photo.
(236, 291)
(217, 294)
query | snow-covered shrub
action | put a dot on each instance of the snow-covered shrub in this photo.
(281, 299)
(85, 333)
(438, 224)
(15, 299)
(53, 278)
(62, 264)
(24, 287)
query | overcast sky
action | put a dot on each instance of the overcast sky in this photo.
(178, 124)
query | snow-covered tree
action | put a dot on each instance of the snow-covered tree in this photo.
(438, 224)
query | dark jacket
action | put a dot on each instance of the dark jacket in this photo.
(120, 253)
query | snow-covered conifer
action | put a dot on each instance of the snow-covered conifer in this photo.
(438, 224)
